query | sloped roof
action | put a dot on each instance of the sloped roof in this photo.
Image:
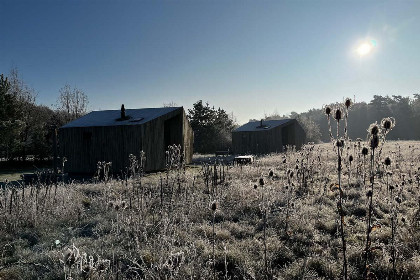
(110, 117)
(267, 125)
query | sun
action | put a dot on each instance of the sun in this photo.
(364, 49)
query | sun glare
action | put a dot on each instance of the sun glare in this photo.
(364, 49)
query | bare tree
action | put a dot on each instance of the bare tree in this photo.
(24, 107)
(72, 101)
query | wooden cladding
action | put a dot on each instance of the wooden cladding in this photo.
(85, 146)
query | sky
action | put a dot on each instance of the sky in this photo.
(251, 58)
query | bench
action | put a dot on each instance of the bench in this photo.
(241, 160)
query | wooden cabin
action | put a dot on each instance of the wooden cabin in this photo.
(264, 137)
(113, 135)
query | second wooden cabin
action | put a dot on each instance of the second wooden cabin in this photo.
(264, 137)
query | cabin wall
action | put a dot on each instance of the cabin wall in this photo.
(85, 146)
(188, 142)
(155, 140)
(268, 141)
(257, 142)
(300, 136)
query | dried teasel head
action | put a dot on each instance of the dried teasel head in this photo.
(387, 161)
(350, 158)
(365, 151)
(328, 110)
(261, 182)
(388, 123)
(339, 143)
(347, 102)
(271, 173)
(373, 129)
(337, 114)
(213, 206)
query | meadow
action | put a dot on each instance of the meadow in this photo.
(278, 218)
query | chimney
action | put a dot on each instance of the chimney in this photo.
(122, 112)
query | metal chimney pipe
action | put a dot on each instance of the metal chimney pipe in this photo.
(122, 112)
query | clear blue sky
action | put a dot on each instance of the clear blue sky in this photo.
(248, 57)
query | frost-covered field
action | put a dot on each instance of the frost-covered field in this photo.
(277, 218)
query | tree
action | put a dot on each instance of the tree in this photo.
(311, 128)
(9, 126)
(16, 115)
(212, 128)
(24, 108)
(73, 102)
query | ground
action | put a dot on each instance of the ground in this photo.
(276, 218)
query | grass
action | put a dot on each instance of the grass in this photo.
(110, 230)
(13, 174)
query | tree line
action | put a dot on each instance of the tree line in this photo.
(27, 128)
(212, 128)
(405, 110)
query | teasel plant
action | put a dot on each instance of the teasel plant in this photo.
(340, 113)
(263, 207)
(376, 139)
(213, 208)
(289, 191)
(393, 214)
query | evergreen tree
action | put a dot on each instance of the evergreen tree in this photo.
(212, 128)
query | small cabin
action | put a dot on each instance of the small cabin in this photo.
(112, 135)
(264, 137)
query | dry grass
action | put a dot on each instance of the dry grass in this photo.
(121, 228)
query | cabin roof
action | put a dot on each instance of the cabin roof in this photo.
(266, 125)
(112, 117)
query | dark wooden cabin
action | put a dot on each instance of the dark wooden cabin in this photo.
(113, 135)
(264, 137)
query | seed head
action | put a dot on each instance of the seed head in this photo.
(387, 161)
(261, 182)
(398, 199)
(373, 129)
(337, 114)
(347, 102)
(388, 123)
(350, 158)
(328, 110)
(214, 206)
(365, 151)
(339, 143)
(271, 173)
(255, 186)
